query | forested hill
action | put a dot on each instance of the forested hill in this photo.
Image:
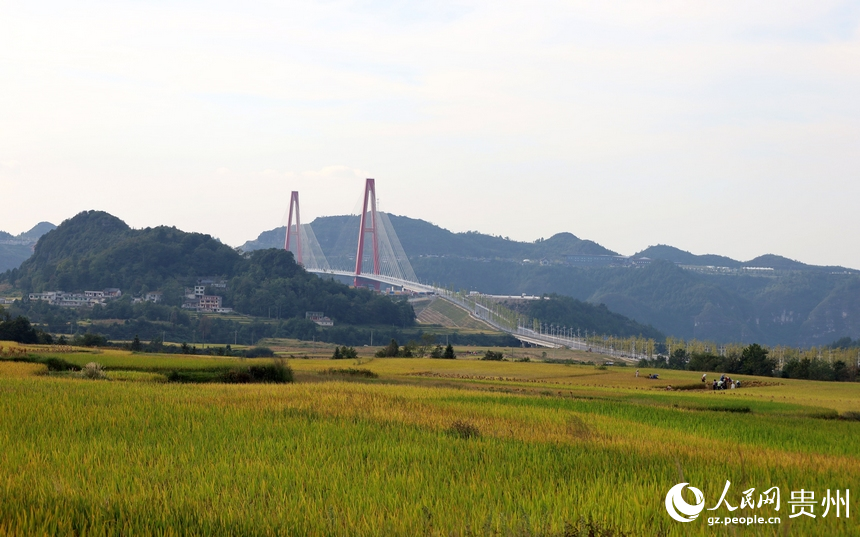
(796, 308)
(771, 261)
(95, 250)
(795, 303)
(338, 236)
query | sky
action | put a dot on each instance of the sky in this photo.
(725, 127)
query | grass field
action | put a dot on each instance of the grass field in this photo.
(429, 447)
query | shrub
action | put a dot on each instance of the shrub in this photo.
(351, 371)
(493, 356)
(58, 364)
(94, 371)
(279, 371)
(174, 376)
(464, 430)
(237, 376)
(89, 340)
(259, 352)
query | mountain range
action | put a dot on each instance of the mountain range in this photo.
(337, 236)
(15, 249)
(769, 299)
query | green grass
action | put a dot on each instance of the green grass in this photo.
(350, 456)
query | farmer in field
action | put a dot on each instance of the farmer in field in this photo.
(703, 376)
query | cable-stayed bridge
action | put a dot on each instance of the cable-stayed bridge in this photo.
(379, 260)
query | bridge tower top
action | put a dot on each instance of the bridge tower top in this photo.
(368, 224)
(294, 205)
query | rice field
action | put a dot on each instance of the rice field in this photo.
(428, 447)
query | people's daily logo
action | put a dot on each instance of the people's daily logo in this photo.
(828, 504)
(679, 509)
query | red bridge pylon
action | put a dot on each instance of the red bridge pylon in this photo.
(367, 227)
(294, 202)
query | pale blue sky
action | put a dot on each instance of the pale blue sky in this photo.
(717, 127)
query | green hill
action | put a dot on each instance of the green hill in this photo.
(337, 237)
(776, 262)
(797, 308)
(676, 255)
(95, 250)
(794, 303)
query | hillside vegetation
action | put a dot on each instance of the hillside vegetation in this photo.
(95, 250)
(793, 304)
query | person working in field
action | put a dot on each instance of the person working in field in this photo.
(703, 376)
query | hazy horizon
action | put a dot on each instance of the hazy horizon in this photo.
(729, 128)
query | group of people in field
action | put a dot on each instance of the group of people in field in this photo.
(725, 382)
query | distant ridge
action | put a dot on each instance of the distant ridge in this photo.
(37, 231)
(421, 238)
(676, 255)
(795, 303)
(14, 250)
(776, 262)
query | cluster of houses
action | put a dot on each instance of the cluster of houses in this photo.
(319, 318)
(195, 298)
(77, 300)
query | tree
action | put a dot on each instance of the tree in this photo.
(18, 329)
(135, 345)
(89, 340)
(436, 352)
(754, 361)
(337, 355)
(427, 341)
(205, 327)
(390, 351)
(449, 352)
(678, 359)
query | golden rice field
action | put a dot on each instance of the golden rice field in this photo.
(429, 447)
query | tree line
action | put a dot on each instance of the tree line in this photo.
(757, 360)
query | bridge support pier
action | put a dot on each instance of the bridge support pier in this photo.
(368, 283)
